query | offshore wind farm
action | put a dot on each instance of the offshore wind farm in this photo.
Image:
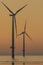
(13, 18)
(21, 32)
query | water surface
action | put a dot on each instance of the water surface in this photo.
(19, 60)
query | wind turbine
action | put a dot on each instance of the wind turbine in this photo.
(24, 33)
(13, 20)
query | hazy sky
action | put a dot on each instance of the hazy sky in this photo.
(33, 13)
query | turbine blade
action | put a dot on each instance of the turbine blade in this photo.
(7, 8)
(16, 26)
(19, 34)
(25, 27)
(28, 36)
(20, 9)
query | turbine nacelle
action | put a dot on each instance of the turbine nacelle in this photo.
(12, 15)
(23, 32)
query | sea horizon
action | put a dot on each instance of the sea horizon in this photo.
(30, 58)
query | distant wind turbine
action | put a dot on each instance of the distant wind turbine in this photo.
(13, 20)
(24, 33)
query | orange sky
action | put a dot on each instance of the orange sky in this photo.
(34, 15)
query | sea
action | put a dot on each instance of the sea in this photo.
(20, 60)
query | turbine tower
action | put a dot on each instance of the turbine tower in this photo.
(13, 20)
(24, 33)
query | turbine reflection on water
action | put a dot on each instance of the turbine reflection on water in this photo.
(12, 63)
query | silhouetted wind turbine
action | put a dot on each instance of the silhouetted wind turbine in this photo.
(13, 18)
(23, 33)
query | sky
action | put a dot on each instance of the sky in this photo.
(33, 14)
